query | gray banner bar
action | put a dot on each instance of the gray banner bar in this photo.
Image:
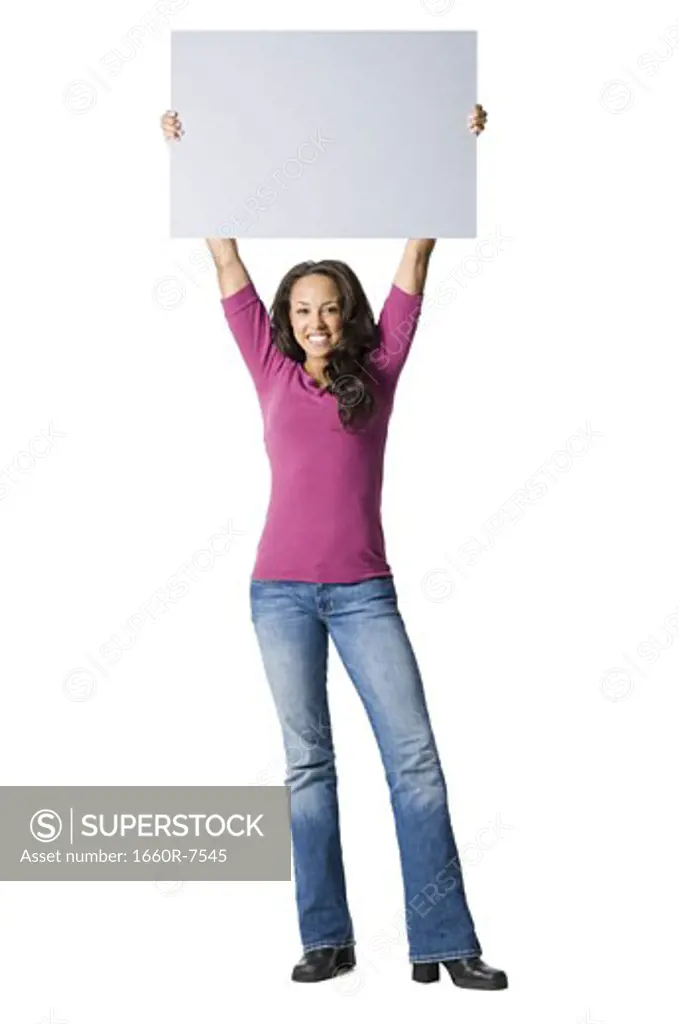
(145, 833)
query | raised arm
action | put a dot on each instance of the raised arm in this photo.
(243, 309)
(246, 314)
(231, 272)
(412, 270)
(401, 311)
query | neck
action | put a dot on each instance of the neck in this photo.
(316, 369)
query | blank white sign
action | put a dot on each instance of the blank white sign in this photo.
(324, 134)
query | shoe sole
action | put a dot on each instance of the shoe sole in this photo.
(483, 986)
(425, 974)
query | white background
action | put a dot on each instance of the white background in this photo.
(573, 322)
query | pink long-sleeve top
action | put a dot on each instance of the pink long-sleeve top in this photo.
(323, 522)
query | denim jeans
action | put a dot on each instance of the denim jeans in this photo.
(292, 622)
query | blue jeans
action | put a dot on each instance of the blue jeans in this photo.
(292, 622)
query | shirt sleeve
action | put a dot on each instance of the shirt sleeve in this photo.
(396, 326)
(250, 324)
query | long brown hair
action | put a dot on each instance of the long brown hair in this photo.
(345, 367)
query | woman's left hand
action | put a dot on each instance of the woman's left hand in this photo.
(477, 120)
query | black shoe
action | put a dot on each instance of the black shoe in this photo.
(321, 964)
(469, 972)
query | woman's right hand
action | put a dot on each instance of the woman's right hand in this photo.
(231, 273)
(171, 125)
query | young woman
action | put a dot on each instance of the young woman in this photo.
(325, 375)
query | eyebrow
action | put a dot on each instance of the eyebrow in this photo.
(330, 302)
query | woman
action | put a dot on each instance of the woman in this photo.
(325, 376)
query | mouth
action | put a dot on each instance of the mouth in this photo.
(318, 339)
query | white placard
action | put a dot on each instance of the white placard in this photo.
(324, 134)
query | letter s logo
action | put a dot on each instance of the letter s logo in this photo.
(46, 826)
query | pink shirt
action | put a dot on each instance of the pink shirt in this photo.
(323, 523)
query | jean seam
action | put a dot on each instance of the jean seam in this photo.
(328, 945)
(454, 954)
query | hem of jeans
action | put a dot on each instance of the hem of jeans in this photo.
(328, 945)
(455, 954)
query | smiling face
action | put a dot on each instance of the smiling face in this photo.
(315, 314)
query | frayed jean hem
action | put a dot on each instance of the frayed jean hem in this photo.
(455, 954)
(328, 945)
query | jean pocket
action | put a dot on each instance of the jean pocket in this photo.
(381, 584)
(272, 595)
(378, 588)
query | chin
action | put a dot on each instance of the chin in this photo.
(326, 350)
